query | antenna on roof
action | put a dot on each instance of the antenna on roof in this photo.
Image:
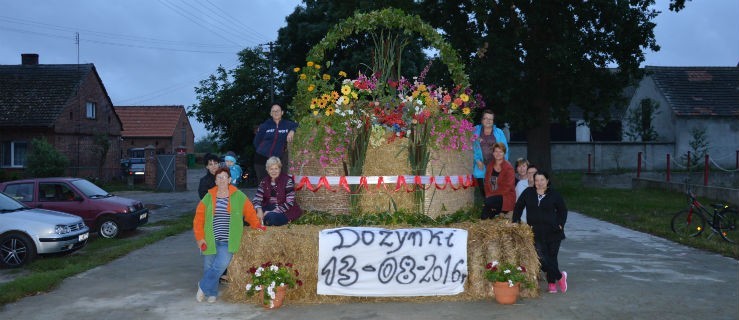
(77, 42)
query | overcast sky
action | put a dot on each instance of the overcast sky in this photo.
(154, 52)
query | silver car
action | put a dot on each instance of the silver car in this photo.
(27, 232)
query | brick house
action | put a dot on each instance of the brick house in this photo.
(65, 104)
(167, 128)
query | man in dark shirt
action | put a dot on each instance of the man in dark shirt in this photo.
(208, 181)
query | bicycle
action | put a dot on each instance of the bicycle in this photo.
(692, 221)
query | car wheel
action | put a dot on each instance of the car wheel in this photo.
(108, 228)
(16, 250)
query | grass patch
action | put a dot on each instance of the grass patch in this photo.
(46, 273)
(645, 210)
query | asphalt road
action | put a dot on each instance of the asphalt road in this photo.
(615, 273)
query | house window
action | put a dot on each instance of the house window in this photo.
(91, 110)
(13, 154)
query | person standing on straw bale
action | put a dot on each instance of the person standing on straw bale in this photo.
(500, 193)
(271, 139)
(218, 227)
(487, 136)
(275, 197)
(527, 181)
(547, 215)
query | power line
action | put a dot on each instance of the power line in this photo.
(229, 17)
(195, 19)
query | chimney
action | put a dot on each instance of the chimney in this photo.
(29, 59)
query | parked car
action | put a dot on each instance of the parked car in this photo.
(101, 211)
(26, 232)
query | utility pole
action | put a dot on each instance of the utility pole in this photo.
(79, 105)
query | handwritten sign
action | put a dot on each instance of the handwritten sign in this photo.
(376, 262)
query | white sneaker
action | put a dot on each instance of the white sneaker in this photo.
(211, 299)
(200, 296)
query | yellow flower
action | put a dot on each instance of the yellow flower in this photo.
(315, 112)
(312, 106)
(310, 63)
(314, 101)
(414, 94)
(325, 97)
(345, 89)
(311, 87)
(334, 95)
(318, 66)
(303, 76)
(422, 87)
(342, 74)
(322, 104)
(296, 70)
(454, 106)
(329, 111)
(466, 110)
(354, 95)
(464, 97)
(326, 77)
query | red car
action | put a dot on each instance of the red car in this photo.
(101, 211)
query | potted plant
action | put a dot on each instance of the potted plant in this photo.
(506, 278)
(272, 279)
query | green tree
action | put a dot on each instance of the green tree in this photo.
(232, 103)
(309, 23)
(639, 121)
(45, 161)
(100, 147)
(532, 60)
(206, 144)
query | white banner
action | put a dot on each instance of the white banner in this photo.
(376, 262)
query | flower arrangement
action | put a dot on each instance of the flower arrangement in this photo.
(390, 110)
(505, 272)
(268, 276)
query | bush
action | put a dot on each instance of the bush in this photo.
(45, 161)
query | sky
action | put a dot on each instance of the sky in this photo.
(155, 52)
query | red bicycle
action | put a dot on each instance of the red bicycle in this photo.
(692, 221)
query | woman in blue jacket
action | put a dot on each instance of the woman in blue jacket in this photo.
(271, 140)
(487, 135)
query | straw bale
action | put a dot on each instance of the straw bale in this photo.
(387, 160)
(487, 240)
(321, 200)
(448, 163)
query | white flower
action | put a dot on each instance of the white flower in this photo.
(510, 283)
(282, 284)
(258, 288)
(258, 274)
(248, 287)
(495, 263)
(274, 268)
(507, 271)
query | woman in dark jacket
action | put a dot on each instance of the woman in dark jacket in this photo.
(275, 197)
(547, 215)
(271, 139)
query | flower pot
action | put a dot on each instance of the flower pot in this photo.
(275, 303)
(505, 294)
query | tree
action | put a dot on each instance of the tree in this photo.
(639, 121)
(532, 60)
(101, 146)
(45, 161)
(308, 24)
(207, 144)
(232, 103)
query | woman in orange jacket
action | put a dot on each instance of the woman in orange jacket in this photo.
(218, 228)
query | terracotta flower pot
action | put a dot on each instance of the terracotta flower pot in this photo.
(505, 294)
(275, 303)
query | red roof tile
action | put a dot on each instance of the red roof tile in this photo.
(149, 121)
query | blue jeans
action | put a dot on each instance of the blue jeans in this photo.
(213, 267)
(275, 219)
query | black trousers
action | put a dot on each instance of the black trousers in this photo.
(548, 252)
(492, 207)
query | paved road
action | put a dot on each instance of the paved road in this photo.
(615, 273)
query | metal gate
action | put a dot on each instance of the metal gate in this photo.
(165, 173)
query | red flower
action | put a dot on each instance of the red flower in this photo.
(252, 270)
(489, 265)
(297, 273)
(300, 283)
(289, 265)
(523, 269)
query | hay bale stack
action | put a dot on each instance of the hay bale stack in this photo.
(448, 163)
(487, 240)
(390, 159)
